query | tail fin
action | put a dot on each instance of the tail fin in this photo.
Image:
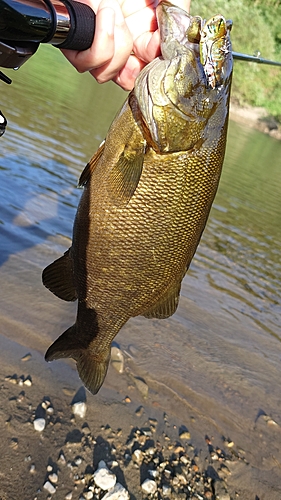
(92, 369)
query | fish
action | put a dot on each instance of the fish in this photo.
(147, 192)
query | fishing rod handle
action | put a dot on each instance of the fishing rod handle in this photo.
(64, 23)
(76, 22)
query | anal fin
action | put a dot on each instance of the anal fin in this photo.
(166, 306)
(58, 277)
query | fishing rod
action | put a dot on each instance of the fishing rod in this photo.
(66, 24)
(254, 58)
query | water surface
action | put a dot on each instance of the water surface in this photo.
(216, 364)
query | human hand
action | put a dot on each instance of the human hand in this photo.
(126, 39)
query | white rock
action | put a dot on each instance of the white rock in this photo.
(149, 486)
(137, 457)
(61, 458)
(141, 386)
(26, 357)
(103, 478)
(117, 359)
(184, 435)
(49, 487)
(88, 495)
(68, 496)
(117, 493)
(184, 460)
(53, 478)
(166, 490)
(39, 424)
(79, 409)
(153, 473)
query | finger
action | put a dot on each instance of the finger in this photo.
(112, 43)
(147, 46)
(120, 37)
(110, 70)
(130, 7)
(127, 75)
(142, 21)
(103, 47)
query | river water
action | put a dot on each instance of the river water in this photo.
(217, 362)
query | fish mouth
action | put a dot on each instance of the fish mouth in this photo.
(209, 41)
(187, 81)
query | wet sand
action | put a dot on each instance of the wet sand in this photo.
(70, 447)
(68, 450)
(125, 416)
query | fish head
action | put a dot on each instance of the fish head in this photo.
(185, 93)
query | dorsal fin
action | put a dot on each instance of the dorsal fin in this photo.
(90, 167)
(58, 277)
(166, 306)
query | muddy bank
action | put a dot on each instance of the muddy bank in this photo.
(55, 436)
(257, 118)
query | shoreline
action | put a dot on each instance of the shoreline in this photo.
(256, 118)
(132, 439)
(54, 450)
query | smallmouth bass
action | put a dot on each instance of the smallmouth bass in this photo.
(147, 192)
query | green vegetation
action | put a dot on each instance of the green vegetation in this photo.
(256, 27)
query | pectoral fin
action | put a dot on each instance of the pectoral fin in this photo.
(166, 306)
(90, 167)
(124, 177)
(58, 277)
(91, 367)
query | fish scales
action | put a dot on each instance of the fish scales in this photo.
(147, 195)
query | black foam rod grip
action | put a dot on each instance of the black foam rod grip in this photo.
(82, 30)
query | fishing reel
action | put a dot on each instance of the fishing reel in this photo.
(24, 24)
